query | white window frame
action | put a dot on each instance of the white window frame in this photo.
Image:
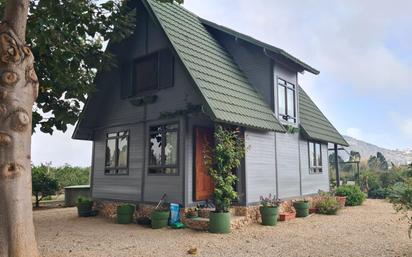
(291, 115)
(315, 168)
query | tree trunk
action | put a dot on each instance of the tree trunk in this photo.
(37, 200)
(18, 91)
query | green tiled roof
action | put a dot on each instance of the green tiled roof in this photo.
(229, 96)
(315, 125)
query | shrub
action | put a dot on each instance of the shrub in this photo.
(328, 205)
(226, 156)
(82, 199)
(43, 184)
(369, 180)
(354, 196)
(270, 201)
(388, 179)
(378, 193)
(401, 198)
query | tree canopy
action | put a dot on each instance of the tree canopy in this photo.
(43, 184)
(378, 162)
(67, 40)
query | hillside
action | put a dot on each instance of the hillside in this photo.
(366, 149)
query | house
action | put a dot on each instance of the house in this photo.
(178, 76)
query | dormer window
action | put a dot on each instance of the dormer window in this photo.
(287, 101)
(148, 74)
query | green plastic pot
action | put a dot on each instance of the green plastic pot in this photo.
(125, 213)
(302, 208)
(269, 215)
(159, 219)
(84, 209)
(219, 222)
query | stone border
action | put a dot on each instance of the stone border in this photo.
(245, 215)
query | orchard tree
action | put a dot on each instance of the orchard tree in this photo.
(43, 183)
(67, 41)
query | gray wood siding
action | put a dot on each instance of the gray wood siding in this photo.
(287, 149)
(119, 111)
(312, 183)
(113, 113)
(171, 185)
(255, 65)
(127, 187)
(260, 165)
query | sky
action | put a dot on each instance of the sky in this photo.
(363, 50)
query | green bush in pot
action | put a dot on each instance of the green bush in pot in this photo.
(84, 206)
(354, 195)
(269, 210)
(225, 157)
(328, 205)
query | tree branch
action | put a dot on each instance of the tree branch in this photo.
(15, 15)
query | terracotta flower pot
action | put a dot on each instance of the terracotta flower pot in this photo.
(341, 200)
(313, 210)
(285, 216)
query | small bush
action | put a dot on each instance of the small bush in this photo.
(390, 178)
(378, 193)
(401, 198)
(328, 205)
(354, 196)
(82, 199)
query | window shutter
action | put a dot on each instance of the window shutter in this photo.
(166, 70)
(127, 82)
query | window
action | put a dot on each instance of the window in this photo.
(117, 153)
(315, 157)
(150, 73)
(146, 73)
(287, 100)
(163, 147)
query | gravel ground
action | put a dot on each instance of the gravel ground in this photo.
(369, 230)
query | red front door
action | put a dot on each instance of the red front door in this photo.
(204, 185)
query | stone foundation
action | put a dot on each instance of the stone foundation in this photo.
(241, 215)
(108, 209)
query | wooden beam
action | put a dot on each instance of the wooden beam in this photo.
(337, 165)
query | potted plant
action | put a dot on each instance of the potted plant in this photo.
(328, 205)
(125, 213)
(269, 210)
(341, 200)
(84, 206)
(354, 195)
(160, 215)
(221, 161)
(302, 208)
(288, 212)
(192, 213)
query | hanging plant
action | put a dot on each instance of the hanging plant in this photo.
(142, 100)
(291, 129)
(190, 108)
